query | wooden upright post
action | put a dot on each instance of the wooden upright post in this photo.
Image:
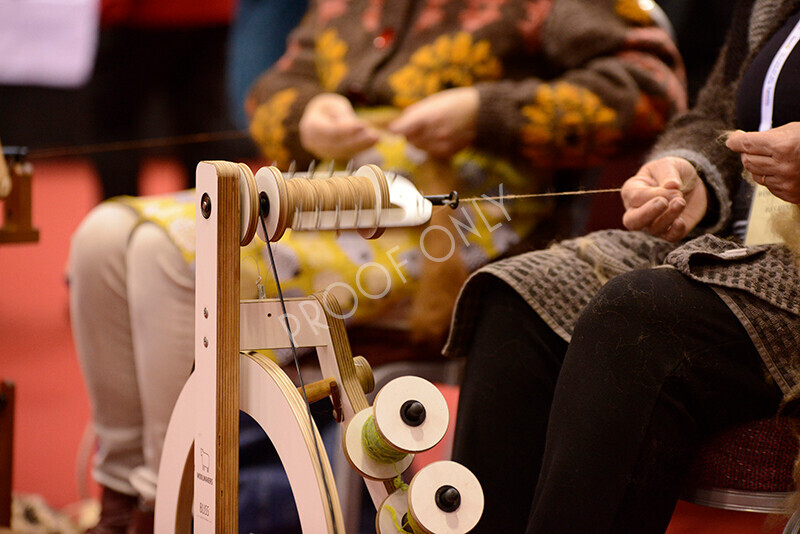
(216, 450)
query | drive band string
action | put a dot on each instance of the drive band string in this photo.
(156, 142)
(297, 366)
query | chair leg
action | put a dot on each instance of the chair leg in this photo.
(6, 450)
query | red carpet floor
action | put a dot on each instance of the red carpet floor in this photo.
(37, 353)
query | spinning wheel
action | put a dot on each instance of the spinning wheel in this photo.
(197, 483)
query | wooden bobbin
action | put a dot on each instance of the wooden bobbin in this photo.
(445, 497)
(391, 512)
(248, 203)
(248, 197)
(357, 455)
(270, 182)
(322, 200)
(382, 190)
(411, 414)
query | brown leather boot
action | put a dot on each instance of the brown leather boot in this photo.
(116, 512)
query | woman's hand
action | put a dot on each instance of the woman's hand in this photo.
(665, 198)
(330, 129)
(773, 158)
(441, 124)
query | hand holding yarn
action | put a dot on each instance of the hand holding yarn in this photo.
(772, 157)
(665, 198)
(330, 129)
(441, 124)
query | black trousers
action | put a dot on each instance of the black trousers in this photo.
(597, 435)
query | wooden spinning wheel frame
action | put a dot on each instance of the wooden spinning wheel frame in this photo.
(198, 475)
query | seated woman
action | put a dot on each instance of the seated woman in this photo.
(504, 93)
(594, 367)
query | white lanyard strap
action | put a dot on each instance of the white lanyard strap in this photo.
(771, 79)
(764, 204)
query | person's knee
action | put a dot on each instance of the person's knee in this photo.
(501, 309)
(642, 297)
(100, 241)
(628, 339)
(626, 327)
(154, 262)
(150, 242)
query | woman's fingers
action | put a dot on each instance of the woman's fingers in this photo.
(659, 217)
(639, 190)
(640, 218)
(761, 165)
(665, 224)
(756, 143)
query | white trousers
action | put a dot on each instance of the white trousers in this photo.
(132, 308)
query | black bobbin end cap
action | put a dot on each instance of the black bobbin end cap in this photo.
(412, 412)
(448, 499)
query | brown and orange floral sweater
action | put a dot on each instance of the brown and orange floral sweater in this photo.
(562, 83)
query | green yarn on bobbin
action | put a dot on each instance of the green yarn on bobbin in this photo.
(376, 447)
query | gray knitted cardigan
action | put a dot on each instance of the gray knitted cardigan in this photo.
(760, 284)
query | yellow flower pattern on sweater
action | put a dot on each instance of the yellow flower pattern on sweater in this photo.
(568, 126)
(329, 54)
(450, 61)
(267, 127)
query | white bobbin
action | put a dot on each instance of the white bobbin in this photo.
(391, 511)
(359, 459)
(394, 426)
(445, 497)
(269, 180)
